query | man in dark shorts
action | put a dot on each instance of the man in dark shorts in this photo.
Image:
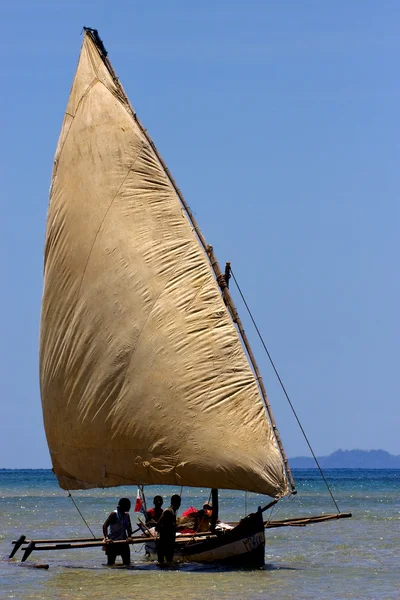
(119, 524)
(166, 527)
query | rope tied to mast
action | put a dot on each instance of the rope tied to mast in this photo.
(221, 280)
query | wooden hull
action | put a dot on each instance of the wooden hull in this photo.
(242, 546)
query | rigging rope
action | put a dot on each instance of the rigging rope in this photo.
(284, 389)
(83, 518)
(277, 508)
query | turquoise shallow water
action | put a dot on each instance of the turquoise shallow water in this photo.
(356, 558)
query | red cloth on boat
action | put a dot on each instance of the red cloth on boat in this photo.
(189, 511)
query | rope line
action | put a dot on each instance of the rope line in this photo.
(277, 508)
(77, 508)
(284, 390)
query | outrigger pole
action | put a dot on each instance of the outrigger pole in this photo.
(220, 277)
(99, 542)
(303, 521)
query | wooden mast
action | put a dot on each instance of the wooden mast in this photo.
(220, 277)
(215, 509)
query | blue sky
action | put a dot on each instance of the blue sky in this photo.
(279, 121)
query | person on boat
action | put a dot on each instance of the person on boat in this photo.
(153, 514)
(203, 518)
(166, 528)
(196, 521)
(119, 525)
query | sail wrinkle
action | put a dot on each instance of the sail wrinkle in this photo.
(143, 376)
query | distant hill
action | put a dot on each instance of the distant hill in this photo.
(349, 459)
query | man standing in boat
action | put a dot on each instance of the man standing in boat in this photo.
(166, 528)
(119, 523)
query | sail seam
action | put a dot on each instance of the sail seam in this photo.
(57, 158)
(104, 218)
(120, 97)
(89, 88)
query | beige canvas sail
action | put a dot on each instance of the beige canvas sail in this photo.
(143, 376)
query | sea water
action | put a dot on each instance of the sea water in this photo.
(356, 558)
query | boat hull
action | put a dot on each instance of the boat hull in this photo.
(242, 546)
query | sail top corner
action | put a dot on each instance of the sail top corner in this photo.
(93, 34)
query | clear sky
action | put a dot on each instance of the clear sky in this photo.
(279, 121)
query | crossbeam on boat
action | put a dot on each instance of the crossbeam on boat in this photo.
(68, 544)
(303, 521)
(61, 540)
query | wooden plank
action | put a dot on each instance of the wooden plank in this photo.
(68, 546)
(79, 540)
(181, 540)
(145, 529)
(61, 540)
(25, 542)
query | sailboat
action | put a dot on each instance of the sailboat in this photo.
(147, 376)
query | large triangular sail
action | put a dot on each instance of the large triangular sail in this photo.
(143, 376)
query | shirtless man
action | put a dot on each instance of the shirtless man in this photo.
(166, 527)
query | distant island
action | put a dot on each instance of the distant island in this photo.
(349, 459)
